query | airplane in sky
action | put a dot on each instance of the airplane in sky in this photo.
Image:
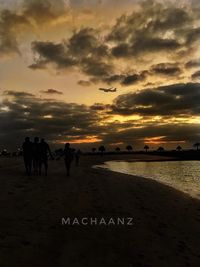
(108, 90)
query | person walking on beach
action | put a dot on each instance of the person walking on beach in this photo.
(36, 155)
(44, 151)
(28, 155)
(69, 156)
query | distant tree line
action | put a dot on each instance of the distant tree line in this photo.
(146, 148)
(101, 149)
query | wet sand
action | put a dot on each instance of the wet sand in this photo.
(166, 229)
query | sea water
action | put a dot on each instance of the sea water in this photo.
(182, 175)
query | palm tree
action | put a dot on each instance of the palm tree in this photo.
(94, 149)
(196, 145)
(179, 148)
(117, 149)
(129, 148)
(146, 148)
(160, 149)
(102, 149)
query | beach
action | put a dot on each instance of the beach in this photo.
(165, 229)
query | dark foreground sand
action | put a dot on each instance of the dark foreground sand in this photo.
(166, 230)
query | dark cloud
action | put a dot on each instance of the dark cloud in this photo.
(154, 45)
(168, 69)
(145, 45)
(145, 30)
(83, 50)
(23, 114)
(196, 75)
(114, 78)
(84, 83)
(193, 35)
(52, 92)
(9, 24)
(30, 13)
(99, 107)
(167, 132)
(172, 100)
(95, 68)
(43, 11)
(26, 114)
(152, 28)
(90, 52)
(134, 78)
(127, 79)
(17, 94)
(50, 53)
(121, 50)
(84, 42)
(192, 64)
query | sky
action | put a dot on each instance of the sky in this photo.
(56, 54)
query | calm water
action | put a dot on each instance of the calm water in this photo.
(182, 175)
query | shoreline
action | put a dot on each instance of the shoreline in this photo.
(165, 231)
(188, 188)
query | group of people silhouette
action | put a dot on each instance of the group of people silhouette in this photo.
(37, 153)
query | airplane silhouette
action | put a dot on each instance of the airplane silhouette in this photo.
(108, 90)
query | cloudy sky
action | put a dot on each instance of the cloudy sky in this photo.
(56, 54)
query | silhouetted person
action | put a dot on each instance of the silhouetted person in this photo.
(69, 156)
(77, 156)
(44, 152)
(28, 155)
(36, 155)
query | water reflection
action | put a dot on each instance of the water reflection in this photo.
(183, 175)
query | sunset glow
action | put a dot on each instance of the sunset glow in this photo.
(56, 54)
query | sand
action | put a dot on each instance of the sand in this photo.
(165, 230)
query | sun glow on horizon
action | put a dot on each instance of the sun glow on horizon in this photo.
(86, 140)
